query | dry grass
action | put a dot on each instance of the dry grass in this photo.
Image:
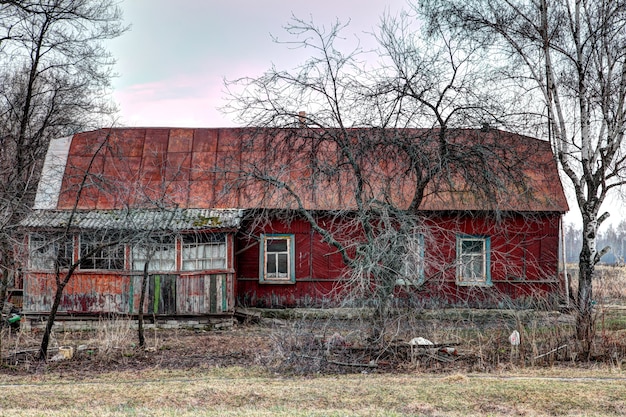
(112, 335)
(609, 283)
(238, 392)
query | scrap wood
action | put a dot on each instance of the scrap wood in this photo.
(552, 351)
(371, 364)
(436, 345)
(437, 355)
(34, 350)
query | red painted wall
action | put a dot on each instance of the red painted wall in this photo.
(524, 263)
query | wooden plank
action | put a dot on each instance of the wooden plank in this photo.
(213, 294)
(224, 293)
(168, 294)
(131, 294)
(156, 295)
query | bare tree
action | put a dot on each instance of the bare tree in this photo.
(59, 249)
(570, 58)
(55, 74)
(379, 139)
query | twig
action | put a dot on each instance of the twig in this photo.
(440, 358)
(359, 365)
(552, 351)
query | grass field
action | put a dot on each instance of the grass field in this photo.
(250, 392)
(267, 369)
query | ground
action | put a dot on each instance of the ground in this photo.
(106, 351)
(465, 341)
(279, 368)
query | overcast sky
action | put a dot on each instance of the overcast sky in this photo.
(173, 61)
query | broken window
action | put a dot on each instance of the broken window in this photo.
(100, 251)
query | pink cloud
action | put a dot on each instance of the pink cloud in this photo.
(183, 101)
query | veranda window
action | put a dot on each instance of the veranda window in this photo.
(204, 251)
(101, 251)
(46, 249)
(160, 251)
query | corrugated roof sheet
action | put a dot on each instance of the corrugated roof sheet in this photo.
(200, 169)
(137, 219)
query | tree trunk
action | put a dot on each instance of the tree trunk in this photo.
(45, 340)
(4, 284)
(144, 284)
(4, 279)
(586, 267)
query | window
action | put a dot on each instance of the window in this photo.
(161, 250)
(46, 249)
(204, 251)
(98, 251)
(277, 263)
(412, 268)
(473, 260)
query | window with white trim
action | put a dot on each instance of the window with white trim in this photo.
(159, 250)
(99, 251)
(473, 260)
(412, 269)
(201, 251)
(277, 264)
(46, 249)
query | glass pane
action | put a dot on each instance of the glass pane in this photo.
(477, 268)
(472, 268)
(282, 264)
(277, 245)
(472, 246)
(117, 263)
(168, 266)
(271, 264)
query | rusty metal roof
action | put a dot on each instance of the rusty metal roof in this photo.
(111, 169)
(136, 219)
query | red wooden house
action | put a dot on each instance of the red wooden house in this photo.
(196, 206)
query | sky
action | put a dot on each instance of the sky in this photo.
(172, 63)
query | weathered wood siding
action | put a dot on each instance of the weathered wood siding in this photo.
(167, 294)
(202, 293)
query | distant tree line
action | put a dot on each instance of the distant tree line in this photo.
(613, 236)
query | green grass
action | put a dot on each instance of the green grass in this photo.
(245, 392)
(611, 319)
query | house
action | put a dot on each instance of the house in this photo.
(237, 215)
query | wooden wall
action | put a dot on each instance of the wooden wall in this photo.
(119, 293)
(524, 263)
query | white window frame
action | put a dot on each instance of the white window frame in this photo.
(266, 256)
(204, 251)
(412, 270)
(110, 256)
(163, 258)
(45, 249)
(467, 261)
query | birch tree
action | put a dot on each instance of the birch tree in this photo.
(569, 58)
